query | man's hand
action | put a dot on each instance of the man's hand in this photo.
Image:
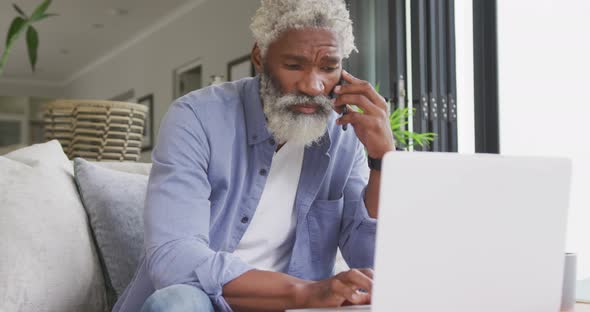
(371, 127)
(351, 287)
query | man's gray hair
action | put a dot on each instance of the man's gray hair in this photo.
(276, 16)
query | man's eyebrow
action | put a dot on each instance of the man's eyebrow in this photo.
(302, 59)
(331, 59)
(294, 57)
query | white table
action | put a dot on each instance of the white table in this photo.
(580, 307)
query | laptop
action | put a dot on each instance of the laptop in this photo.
(463, 233)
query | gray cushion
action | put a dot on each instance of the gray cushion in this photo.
(114, 202)
(126, 166)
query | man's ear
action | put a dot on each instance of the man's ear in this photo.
(256, 58)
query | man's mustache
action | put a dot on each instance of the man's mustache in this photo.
(323, 101)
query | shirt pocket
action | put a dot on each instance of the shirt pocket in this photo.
(324, 220)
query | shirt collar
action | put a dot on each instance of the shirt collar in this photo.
(255, 119)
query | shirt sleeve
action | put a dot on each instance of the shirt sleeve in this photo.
(177, 211)
(357, 235)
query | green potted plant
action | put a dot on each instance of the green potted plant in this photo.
(398, 120)
(405, 139)
(24, 23)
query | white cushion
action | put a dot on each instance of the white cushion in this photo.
(47, 258)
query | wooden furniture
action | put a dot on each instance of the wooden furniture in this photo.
(96, 130)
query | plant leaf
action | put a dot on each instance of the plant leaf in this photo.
(398, 119)
(16, 27)
(44, 16)
(423, 139)
(40, 10)
(19, 10)
(32, 45)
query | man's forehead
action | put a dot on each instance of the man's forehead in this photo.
(308, 41)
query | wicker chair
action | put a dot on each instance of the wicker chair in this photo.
(96, 130)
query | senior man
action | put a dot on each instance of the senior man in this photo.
(256, 184)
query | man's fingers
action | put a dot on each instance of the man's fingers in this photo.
(359, 121)
(357, 280)
(359, 100)
(368, 272)
(344, 291)
(364, 298)
(340, 108)
(349, 78)
(349, 118)
(358, 86)
(367, 90)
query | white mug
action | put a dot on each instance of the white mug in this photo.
(568, 290)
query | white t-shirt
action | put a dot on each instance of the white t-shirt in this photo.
(268, 241)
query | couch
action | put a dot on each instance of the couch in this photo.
(49, 260)
(70, 232)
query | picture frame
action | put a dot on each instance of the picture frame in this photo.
(240, 68)
(148, 128)
(14, 129)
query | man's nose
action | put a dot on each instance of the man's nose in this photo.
(311, 84)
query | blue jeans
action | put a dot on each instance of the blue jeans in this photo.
(177, 298)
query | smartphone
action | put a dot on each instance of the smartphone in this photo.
(333, 96)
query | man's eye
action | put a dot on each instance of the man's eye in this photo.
(293, 66)
(329, 68)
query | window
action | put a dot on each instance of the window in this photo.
(407, 47)
(487, 132)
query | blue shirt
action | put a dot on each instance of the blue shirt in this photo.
(209, 169)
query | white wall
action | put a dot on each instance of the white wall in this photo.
(10, 87)
(14, 104)
(465, 86)
(216, 32)
(544, 66)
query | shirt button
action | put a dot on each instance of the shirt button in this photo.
(271, 142)
(262, 172)
(245, 220)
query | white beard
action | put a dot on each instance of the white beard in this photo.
(287, 125)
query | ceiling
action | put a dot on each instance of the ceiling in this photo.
(84, 32)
